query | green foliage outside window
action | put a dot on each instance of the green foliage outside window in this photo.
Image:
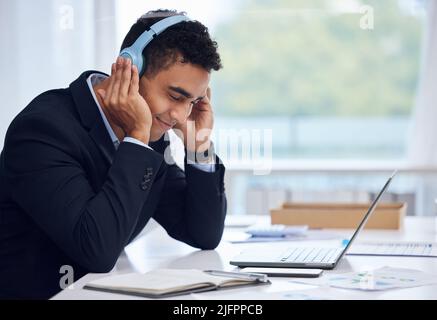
(299, 58)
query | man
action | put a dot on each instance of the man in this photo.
(83, 168)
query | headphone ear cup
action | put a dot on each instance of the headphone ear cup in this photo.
(136, 59)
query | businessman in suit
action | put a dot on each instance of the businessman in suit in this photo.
(84, 168)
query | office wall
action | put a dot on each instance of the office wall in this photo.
(46, 44)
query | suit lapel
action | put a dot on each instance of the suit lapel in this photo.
(101, 137)
(90, 115)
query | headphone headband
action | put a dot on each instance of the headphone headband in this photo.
(135, 51)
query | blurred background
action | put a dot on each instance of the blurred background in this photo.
(346, 89)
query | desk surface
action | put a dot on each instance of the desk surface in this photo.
(156, 249)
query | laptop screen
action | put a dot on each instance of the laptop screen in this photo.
(368, 214)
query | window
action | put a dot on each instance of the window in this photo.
(326, 85)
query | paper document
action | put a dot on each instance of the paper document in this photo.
(243, 221)
(384, 278)
(243, 237)
(276, 230)
(410, 249)
(311, 294)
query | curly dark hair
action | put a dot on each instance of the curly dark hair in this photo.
(189, 40)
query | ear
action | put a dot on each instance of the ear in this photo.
(144, 85)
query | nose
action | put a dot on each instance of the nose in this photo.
(181, 113)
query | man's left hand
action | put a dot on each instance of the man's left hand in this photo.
(197, 129)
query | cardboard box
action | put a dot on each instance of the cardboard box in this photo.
(339, 215)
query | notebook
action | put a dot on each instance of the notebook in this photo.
(162, 283)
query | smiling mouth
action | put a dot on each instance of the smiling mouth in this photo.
(166, 126)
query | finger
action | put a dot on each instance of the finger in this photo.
(108, 92)
(207, 98)
(203, 105)
(208, 93)
(101, 93)
(114, 68)
(126, 79)
(134, 81)
(116, 87)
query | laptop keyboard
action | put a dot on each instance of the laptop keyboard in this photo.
(308, 255)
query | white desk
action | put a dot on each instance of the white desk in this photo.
(157, 250)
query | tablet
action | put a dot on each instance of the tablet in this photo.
(285, 272)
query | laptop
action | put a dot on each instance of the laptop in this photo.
(304, 257)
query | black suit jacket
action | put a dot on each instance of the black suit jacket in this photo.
(68, 197)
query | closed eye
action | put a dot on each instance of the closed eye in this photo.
(176, 98)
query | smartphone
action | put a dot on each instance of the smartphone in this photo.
(285, 272)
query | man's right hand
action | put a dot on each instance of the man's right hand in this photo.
(123, 103)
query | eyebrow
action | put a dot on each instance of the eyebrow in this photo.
(183, 92)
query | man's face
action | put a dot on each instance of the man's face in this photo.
(171, 94)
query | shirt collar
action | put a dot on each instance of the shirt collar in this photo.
(94, 79)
